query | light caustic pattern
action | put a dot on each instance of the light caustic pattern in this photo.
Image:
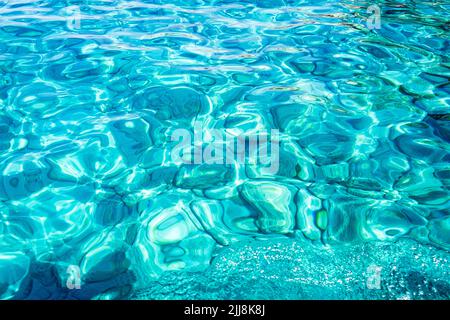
(91, 93)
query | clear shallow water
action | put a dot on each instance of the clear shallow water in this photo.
(88, 105)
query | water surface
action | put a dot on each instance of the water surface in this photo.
(91, 91)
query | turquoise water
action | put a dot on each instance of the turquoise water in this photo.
(92, 93)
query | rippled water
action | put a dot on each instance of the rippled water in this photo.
(91, 91)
